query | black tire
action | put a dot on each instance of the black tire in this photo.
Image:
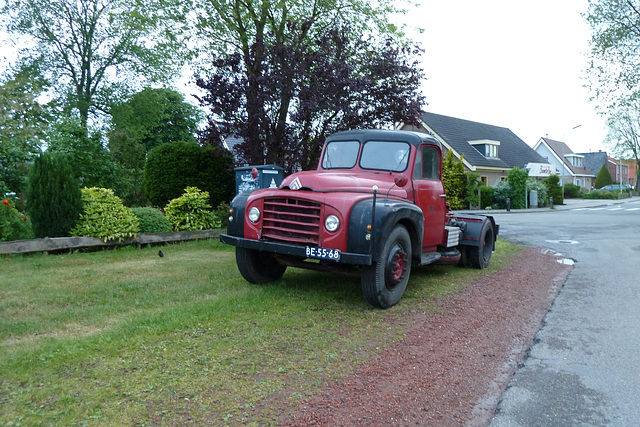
(258, 267)
(384, 282)
(479, 256)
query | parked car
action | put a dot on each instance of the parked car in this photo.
(615, 187)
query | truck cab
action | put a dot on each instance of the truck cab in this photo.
(375, 206)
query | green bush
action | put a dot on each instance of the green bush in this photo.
(501, 192)
(104, 216)
(13, 224)
(152, 220)
(517, 179)
(597, 194)
(191, 211)
(53, 196)
(571, 191)
(454, 181)
(543, 197)
(473, 183)
(554, 190)
(486, 196)
(172, 167)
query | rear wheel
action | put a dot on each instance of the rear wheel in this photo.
(384, 282)
(479, 256)
(258, 267)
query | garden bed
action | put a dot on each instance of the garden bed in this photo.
(54, 244)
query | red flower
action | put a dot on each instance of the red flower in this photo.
(6, 202)
(24, 218)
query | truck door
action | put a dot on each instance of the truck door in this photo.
(429, 195)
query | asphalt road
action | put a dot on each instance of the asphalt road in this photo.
(584, 368)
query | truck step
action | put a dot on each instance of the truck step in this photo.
(429, 258)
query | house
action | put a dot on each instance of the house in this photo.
(618, 169)
(488, 150)
(571, 166)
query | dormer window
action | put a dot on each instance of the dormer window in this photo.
(486, 147)
(575, 160)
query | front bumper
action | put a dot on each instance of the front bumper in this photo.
(297, 251)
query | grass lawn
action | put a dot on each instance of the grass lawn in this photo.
(127, 337)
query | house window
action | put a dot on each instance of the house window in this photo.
(491, 150)
(484, 180)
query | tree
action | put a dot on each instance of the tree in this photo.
(94, 49)
(174, 166)
(554, 189)
(603, 178)
(615, 61)
(517, 179)
(303, 94)
(23, 122)
(624, 131)
(53, 197)
(91, 162)
(147, 120)
(454, 181)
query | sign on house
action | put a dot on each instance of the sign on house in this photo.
(540, 170)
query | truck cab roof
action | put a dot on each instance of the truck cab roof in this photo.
(363, 135)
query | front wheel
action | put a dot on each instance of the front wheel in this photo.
(258, 267)
(384, 282)
(479, 256)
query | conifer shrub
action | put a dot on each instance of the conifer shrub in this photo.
(54, 200)
(174, 166)
(554, 190)
(104, 216)
(152, 220)
(603, 178)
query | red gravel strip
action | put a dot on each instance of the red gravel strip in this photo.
(452, 367)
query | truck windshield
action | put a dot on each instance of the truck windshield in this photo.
(340, 155)
(385, 155)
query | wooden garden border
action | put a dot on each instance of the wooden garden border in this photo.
(49, 244)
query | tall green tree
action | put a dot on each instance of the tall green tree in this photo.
(147, 120)
(96, 49)
(614, 55)
(85, 152)
(23, 122)
(53, 198)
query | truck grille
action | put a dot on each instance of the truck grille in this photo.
(291, 221)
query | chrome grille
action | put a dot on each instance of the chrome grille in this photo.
(292, 221)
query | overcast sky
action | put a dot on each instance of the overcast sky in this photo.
(515, 64)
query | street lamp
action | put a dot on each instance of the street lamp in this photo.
(563, 164)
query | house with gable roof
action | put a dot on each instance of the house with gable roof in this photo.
(488, 150)
(571, 167)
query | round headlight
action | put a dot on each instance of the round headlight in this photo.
(332, 223)
(254, 214)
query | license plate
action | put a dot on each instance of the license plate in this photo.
(322, 253)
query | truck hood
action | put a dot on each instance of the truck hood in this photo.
(344, 182)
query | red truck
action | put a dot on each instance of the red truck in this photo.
(374, 206)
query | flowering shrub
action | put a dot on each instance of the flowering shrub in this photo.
(14, 225)
(191, 211)
(104, 216)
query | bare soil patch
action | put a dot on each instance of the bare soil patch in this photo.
(452, 366)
